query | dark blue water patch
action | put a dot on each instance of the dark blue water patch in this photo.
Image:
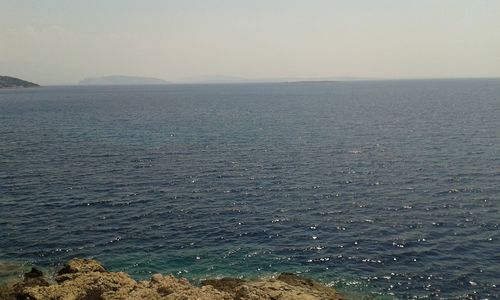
(388, 189)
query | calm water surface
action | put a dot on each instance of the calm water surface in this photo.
(389, 189)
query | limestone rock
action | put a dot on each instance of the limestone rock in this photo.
(33, 278)
(88, 286)
(85, 279)
(165, 287)
(285, 287)
(79, 265)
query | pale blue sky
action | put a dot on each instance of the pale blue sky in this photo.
(61, 42)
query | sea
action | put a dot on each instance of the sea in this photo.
(382, 189)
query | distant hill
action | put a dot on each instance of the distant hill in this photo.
(12, 82)
(122, 80)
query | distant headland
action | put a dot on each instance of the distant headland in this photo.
(13, 82)
(122, 80)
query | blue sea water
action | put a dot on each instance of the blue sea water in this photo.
(387, 189)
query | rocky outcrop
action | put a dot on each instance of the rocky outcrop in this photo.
(285, 287)
(78, 265)
(33, 278)
(87, 279)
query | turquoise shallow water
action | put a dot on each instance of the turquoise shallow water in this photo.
(388, 188)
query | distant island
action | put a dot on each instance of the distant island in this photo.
(122, 80)
(13, 82)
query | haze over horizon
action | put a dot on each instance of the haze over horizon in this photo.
(62, 42)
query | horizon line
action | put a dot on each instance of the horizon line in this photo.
(277, 80)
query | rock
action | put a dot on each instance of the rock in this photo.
(88, 286)
(7, 292)
(15, 291)
(287, 286)
(165, 287)
(87, 279)
(225, 284)
(78, 265)
(306, 283)
(156, 278)
(34, 273)
(34, 277)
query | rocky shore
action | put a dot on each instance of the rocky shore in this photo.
(87, 279)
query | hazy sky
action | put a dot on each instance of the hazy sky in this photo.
(61, 41)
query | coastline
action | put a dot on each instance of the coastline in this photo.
(88, 279)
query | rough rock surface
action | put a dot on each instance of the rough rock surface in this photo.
(33, 278)
(285, 287)
(87, 279)
(79, 265)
